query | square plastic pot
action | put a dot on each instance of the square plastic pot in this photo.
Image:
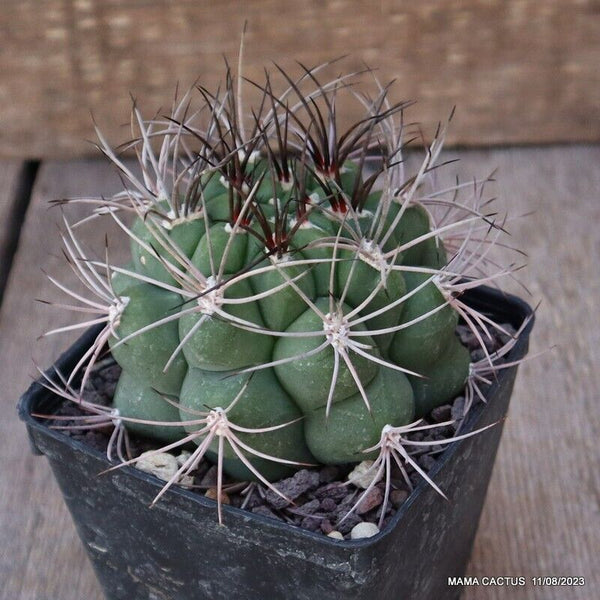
(178, 551)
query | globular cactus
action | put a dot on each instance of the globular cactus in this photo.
(293, 291)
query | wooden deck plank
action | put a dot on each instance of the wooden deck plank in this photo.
(42, 558)
(10, 176)
(541, 515)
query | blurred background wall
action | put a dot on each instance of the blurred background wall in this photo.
(519, 71)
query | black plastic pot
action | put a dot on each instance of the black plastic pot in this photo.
(178, 551)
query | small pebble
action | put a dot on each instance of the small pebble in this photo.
(398, 497)
(252, 501)
(443, 433)
(442, 413)
(335, 491)
(186, 481)
(458, 408)
(467, 337)
(348, 523)
(309, 508)
(372, 500)
(182, 458)
(364, 530)
(347, 503)
(374, 516)
(326, 526)
(292, 487)
(310, 523)
(212, 494)
(489, 342)
(210, 478)
(360, 476)
(477, 355)
(336, 535)
(426, 462)
(162, 465)
(328, 504)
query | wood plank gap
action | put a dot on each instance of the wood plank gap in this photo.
(16, 217)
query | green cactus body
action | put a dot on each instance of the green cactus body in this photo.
(281, 308)
(219, 336)
(349, 176)
(266, 192)
(323, 219)
(121, 280)
(217, 207)
(218, 345)
(422, 343)
(211, 185)
(245, 304)
(351, 428)
(263, 404)
(211, 248)
(311, 233)
(184, 235)
(434, 254)
(308, 379)
(145, 355)
(443, 379)
(413, 223)
(360, 274)
(135, 400)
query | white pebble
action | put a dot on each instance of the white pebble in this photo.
(187, 481)
(364, 530)
(360, 476)
(336, 535)
(181, 459)
(163, 465)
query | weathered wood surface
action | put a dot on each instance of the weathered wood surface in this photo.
(10, 175)
(541, 516)
(41, 556)
(524, 71)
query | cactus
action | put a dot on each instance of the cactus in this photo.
(293, 293)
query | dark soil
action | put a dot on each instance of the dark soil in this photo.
(322, 496)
